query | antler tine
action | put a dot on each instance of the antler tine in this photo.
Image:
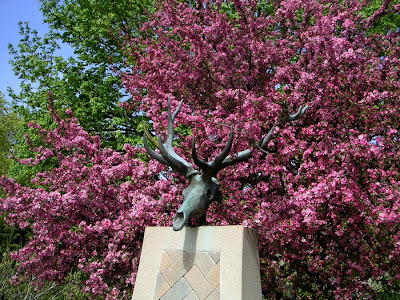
(177, 110)
(148, 135)
(264, 141)
(152, 153)
(168, 155)
(198, 161)
(219, 159)
(241, 156)
(175, 161)
(171, 119)
(212, 168)
(300, 112)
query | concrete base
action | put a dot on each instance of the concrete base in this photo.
(200, 263)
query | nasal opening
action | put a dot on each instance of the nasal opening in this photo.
(179, 221)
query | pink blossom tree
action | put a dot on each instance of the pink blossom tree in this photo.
(87, 213)
(323, 198)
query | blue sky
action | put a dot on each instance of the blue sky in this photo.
(13, 11)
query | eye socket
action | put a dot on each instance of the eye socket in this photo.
(209, 194)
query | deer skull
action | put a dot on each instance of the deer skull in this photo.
(204, 187)
(196, 199)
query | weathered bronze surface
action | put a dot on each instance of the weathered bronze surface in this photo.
(203, 188)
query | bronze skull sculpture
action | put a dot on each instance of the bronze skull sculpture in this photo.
(203, 188)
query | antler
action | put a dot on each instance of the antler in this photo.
(223, 160)
(167, 154)
(264, 141)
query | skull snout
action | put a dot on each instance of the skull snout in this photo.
(179, 220)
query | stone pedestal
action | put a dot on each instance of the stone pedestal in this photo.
(199, 263)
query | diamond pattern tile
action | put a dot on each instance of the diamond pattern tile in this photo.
(213, 276)
(165, 263)
(214, 295)
(203, 261)
(215, 256)
(198, 283)
(191, 296)
(185, 275)
(161, 286)
(178, 291)
(178, 269)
